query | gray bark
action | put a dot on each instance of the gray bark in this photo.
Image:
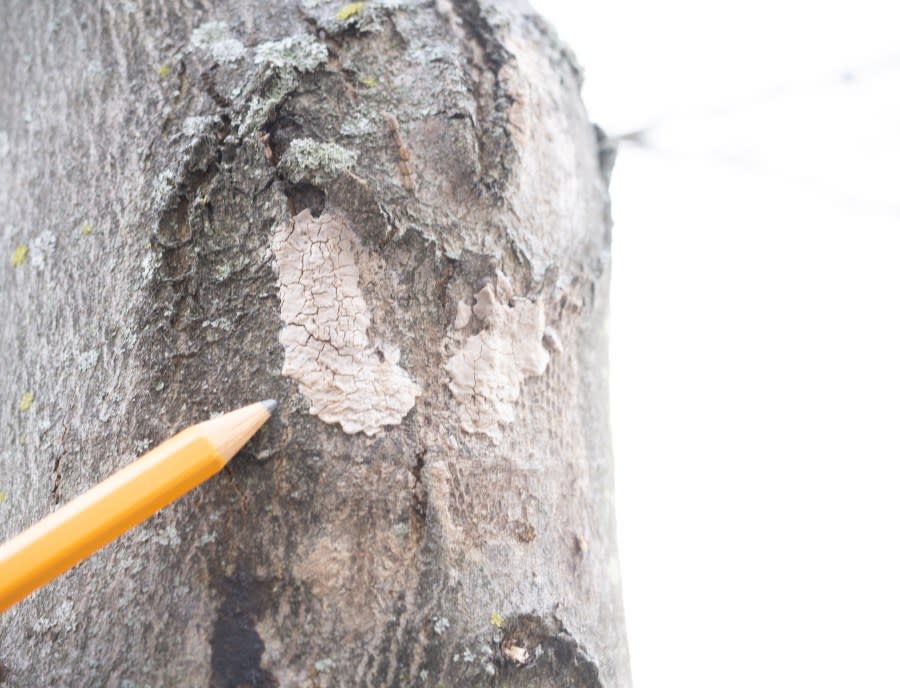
(431, 505)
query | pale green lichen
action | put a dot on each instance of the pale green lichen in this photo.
(26, 401)
(483, 658)
(18, 256)
(441, 624)
(323, 666)
(262, 107)
(169, 537)
(198, 126)
(2, 497)
(41, 248)
(149, 265)
(283, 61)
(225, 269)
(349, 11)
(87, 360)
(85, 229)
(216, 39)
(401, 530)
(42, 625)
(361, 122)
(368, 81)
(219, 324)
(496, 620)
(318, 162)
(302, 52)
(164, 71)
(162, 193)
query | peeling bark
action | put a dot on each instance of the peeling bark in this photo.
(149, 154)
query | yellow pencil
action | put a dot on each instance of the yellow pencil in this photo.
(75, 531)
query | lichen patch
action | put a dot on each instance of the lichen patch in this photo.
(487, 372)
(319, 162)
(302, 51)
(349, 11)
(216, 39)
(41, 249)
(19, 255)
(26, 401)
(346, 378)
(261, 107)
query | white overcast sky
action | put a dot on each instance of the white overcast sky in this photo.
(755, 337)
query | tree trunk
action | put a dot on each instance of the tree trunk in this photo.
(393, 218)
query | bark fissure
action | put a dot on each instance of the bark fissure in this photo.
(237, 648)
(57, 478)
(488, 56)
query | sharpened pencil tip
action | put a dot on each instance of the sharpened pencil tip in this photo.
(269, 404)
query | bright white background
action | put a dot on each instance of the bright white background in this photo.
(754, 333)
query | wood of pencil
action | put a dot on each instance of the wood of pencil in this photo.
(78, 529)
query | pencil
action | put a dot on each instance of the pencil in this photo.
(76, 530)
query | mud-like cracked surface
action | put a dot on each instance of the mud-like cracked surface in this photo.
(346, 379)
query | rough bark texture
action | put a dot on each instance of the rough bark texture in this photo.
(431, 505)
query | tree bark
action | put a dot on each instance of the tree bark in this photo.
(393, 218)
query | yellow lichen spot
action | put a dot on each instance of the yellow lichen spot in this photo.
(23, 440)
(496, 620)
(2, 497)
(348, 11)
(368, 81)
(85, 229)
(25, 401)
(18, 256)
(164, 71)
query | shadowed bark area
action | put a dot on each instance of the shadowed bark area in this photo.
(393, 218)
